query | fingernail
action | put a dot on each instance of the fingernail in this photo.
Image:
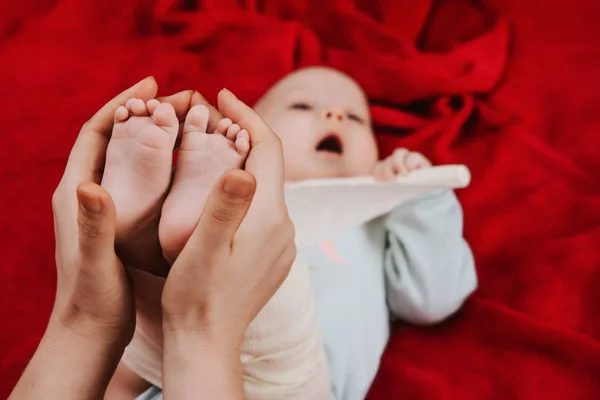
(238, 187)
(89, 202)
(230, 92)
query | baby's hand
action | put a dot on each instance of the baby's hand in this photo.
(401, 162)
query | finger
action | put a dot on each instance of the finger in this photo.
(388, 170)
(86, 160)
(377, 172)
(413, 162)
(96, 221)
(265, 160)
(416, 161)
(398, 161)
(225, 210)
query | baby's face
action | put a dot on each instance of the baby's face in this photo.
(323, 120)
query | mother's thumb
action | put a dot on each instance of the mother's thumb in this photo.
(96, 220)
(225, 210)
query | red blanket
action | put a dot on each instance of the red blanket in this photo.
(509, 88)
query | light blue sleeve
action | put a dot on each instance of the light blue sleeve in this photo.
(429, 267)
(153, 393)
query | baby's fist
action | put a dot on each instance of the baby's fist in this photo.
(401, 162)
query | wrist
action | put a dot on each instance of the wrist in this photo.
(199, 362)
(69, 365)
(216, 344)
(206, 330)
(80, 335)
(113, 333)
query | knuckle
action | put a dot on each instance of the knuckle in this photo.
(223, 216)
(90, 230)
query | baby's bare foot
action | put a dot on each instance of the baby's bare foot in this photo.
(137, 175)
(203, 158)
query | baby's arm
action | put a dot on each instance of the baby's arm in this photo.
(429, 267)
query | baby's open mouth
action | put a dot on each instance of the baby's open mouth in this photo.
(331, 144)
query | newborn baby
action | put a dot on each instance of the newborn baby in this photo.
(282, 353)
(412, 264)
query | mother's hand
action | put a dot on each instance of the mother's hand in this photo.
(93, 317)
(92, 288)
(236, 259)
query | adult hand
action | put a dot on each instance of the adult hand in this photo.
(92, 319)
(238, 256)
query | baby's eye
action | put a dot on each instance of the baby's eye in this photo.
(300, 106)
(355, 118)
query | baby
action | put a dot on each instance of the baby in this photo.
(282, 354)
(412, 264)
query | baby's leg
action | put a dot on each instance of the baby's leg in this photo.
(282, 354)
(137, 175)
(203, 158)
(283, 357)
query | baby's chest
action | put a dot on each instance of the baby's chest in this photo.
(348, 281)
(348, 268)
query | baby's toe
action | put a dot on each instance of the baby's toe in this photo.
(242, 143)
(137, 107)
(233, 131)
(164, 117)
(223, 126)
(121, 114)
(196, 119)
(151, 105)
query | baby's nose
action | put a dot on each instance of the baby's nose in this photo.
(334, 115)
